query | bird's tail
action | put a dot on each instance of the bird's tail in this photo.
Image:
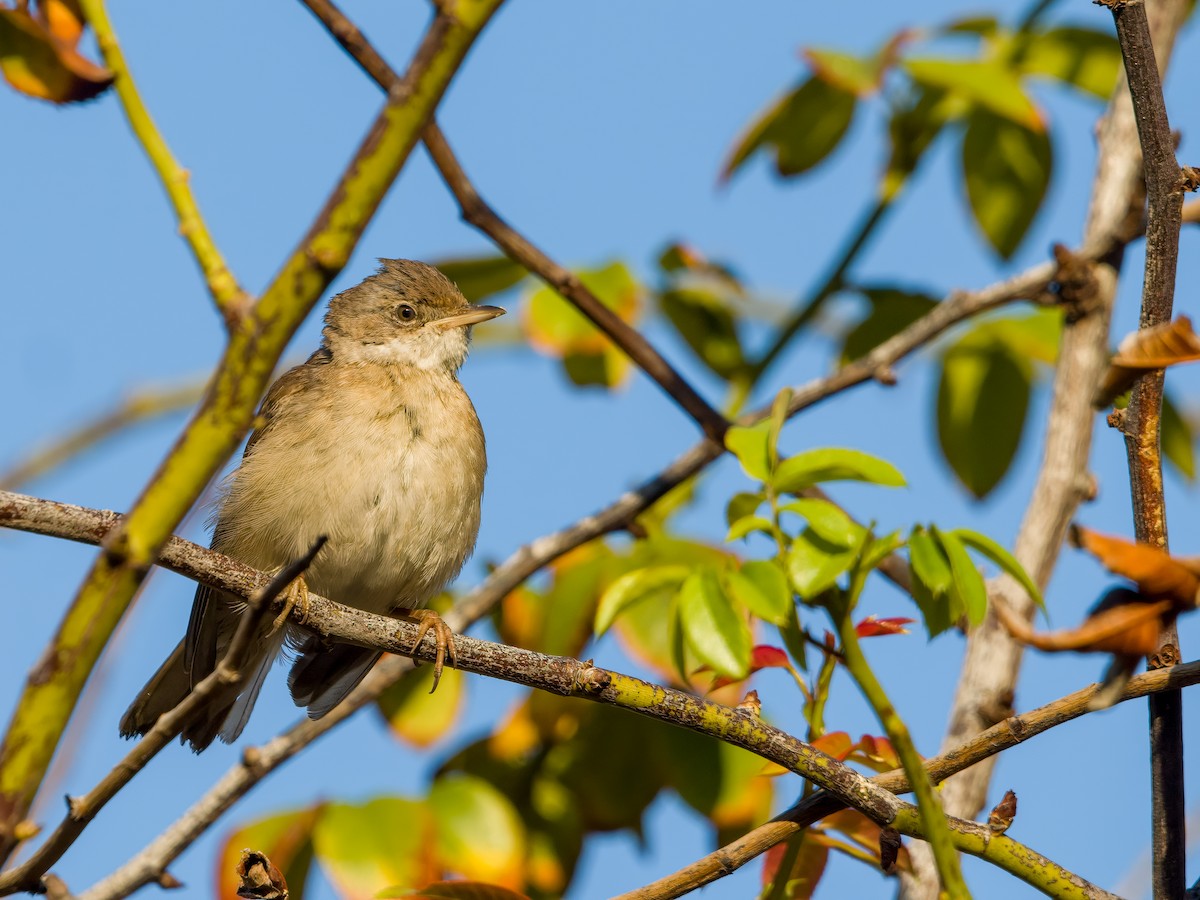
(225, 716)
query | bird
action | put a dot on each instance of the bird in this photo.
(373, 443)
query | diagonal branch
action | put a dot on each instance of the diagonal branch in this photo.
(1012, 731)
(477, 212)
(231, 301)
(566, 677)
(224, 416)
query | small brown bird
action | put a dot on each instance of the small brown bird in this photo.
(372, 442)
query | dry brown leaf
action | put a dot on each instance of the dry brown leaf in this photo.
(1150, 348)
(1158, 575)
(38, 57)
(1124, 622)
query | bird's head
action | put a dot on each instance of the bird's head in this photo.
(407, 313)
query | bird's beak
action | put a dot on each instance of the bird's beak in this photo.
(473, 316)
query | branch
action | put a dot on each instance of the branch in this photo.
(231, 301)
(558, 675)
(136, 408)
(254, 347)
(1000, 737)
(228, 674)
(518, 248)
(1164, 193)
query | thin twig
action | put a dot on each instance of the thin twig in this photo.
(231, 301)
(137, 408)
(986, 745)
(477, 212)
(1164, 193)
(227, 675)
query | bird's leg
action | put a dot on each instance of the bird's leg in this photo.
(297, 595)
(428, 620)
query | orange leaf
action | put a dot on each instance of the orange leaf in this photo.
(455, 890)
(876, 752)
(1124, 622)
(1150, 348)
(1157, 575)
(806, 872)
(36, 60)
(836, 743)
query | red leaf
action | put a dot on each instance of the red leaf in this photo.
(763, 656)
(873, 627)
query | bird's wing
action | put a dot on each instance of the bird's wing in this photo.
(211, 624)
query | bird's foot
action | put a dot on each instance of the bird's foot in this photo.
(297, 595)
(427, 620)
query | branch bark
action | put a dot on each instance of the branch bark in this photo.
(1014, 730)
(1164, 184)
(516, 246)
(254, 347)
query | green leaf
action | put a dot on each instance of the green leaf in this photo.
(939, 612)
(1036, 334)
(912, 128)
(1002, 558)
(555, 327)
(794, 640)
(415, 714)
(741, 505)
(762, 588)
(858, 74)
(983, 396)
(802, 128)
(929, 564)
(881, 548)
(968, 583)
(705, 321)
(1085, 59)
(749, 445)
(834, 464)
(1178, 441)
(713, 630)
(892, 310)
(480, 277)
(1006, 167)
(827, 521)
(386, 841)
(632, 587)
(747, 525)
(815, 564)
(990, 84)
(479, 833)
(778, 418)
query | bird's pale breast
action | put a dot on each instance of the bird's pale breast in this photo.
(391, 474)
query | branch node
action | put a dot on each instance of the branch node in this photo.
(167, 881)
(1075, 283)
(259, 878)
(76, 807)
(885, 375)
(1166, 656)
(591, 680)
(889, 849)
(252, 759)
(1190, 180)
(1116, 419)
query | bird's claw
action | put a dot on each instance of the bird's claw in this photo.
(427, 620)
(297, 595)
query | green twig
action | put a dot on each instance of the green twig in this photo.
(231, 301)
(932, 818)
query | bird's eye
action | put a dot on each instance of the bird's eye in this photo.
(405, 312)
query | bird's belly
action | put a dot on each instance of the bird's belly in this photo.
(401, 514)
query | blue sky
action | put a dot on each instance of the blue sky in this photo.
(598, 129)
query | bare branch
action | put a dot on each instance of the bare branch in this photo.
(137, 407)
(1164, 183)
(1014, 730)
(520, 249)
